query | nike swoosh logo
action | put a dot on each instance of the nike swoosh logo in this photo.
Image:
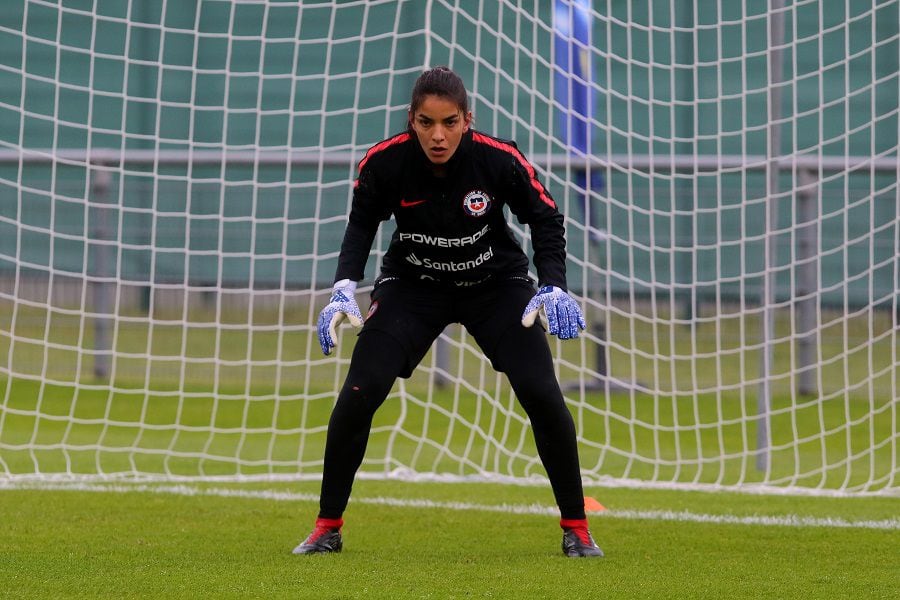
(407, 203)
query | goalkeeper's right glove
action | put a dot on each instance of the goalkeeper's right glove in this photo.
(341, 306)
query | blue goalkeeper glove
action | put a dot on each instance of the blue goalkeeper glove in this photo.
(341, 306)
(558, 311)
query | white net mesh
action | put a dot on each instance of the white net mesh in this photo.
(175, 179)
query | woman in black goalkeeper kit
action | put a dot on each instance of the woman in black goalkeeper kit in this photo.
(452, 259)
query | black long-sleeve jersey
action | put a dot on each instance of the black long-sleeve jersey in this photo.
(451, 229)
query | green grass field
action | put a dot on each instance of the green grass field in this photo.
(467, 543)
(424, 540)
(832, 444)
(201, 400)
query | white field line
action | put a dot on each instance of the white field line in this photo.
(404, 474)
(530, 509)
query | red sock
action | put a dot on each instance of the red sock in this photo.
(329, 523)
(573, 523)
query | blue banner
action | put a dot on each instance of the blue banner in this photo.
(573, 89)
(573, 73)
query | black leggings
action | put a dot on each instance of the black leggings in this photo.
(377, 361)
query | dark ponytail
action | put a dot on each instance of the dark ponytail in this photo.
(443, 82)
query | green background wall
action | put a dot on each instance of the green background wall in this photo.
(212, 75)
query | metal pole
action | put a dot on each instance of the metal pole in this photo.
(101, 289)
(767, 330)
(684, 204)
(644, 163)
(807, 284)
(442, 360)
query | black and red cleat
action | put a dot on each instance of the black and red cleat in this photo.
(577, 541)
(325, 538)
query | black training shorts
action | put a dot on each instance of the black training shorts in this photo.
(415, 314)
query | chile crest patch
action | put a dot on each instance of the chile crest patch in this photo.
(476, 203)
(372, 310)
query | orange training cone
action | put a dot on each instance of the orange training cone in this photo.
(591, 505)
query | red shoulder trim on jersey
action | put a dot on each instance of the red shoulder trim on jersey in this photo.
(509, 148)
(397, 139)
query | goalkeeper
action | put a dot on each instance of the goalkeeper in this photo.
(452, 259)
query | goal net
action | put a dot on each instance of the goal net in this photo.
(175, 178)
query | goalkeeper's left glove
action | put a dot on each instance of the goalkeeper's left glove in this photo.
(558, 311)
(342, 305)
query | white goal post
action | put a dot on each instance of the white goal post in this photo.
(175, 179)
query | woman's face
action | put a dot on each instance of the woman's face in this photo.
(439, 125)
